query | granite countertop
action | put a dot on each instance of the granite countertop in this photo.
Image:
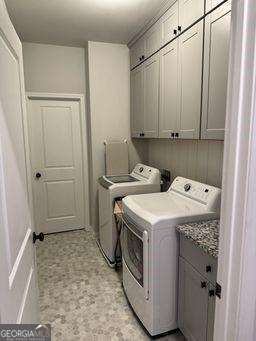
(205, 234)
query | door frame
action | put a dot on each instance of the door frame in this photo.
(235, 317)
(84, 140)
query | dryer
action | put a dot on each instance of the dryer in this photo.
(143, 179)
(150, 247)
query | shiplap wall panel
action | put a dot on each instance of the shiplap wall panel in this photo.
(198, 160)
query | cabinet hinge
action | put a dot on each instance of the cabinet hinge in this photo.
(218, 290)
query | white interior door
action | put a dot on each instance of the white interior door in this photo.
(56, 158)
(18, 288)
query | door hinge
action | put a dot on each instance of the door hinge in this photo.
(218, 290)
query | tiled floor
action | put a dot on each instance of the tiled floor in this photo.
(80, 295)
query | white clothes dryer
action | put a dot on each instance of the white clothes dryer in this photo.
(150, 247)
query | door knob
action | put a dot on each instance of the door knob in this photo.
(39, 236)
(38, 175)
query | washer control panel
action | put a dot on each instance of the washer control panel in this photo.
(146, 172)
(197, 191)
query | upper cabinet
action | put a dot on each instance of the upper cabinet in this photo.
(210, 4)
(169, 23)
(146, 45)
(153, 39)
(180, 71)
(180, 85)
(138, 52)
(189, 12)
(145, 98)
(151, 96)
(178, 17)
(190, 75)
(137, 101)
(169, 93)
(215, 76)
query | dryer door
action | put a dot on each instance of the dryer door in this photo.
(135, 253)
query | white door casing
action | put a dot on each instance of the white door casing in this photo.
(56, 154)
(235, 315)
(18, 284)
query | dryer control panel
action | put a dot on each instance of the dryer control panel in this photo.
(203, 193)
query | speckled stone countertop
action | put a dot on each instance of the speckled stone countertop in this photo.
(205, 234)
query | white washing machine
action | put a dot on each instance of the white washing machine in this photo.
(150, 247)
(143, 179)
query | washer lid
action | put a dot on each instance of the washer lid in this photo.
(163, 209)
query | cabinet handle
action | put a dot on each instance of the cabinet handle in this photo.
(142, 57)
(175, 32)
(172, 135)
(203, 284)
(142, 134)
(208, 268)
(176, 134)
(211, 293)
(179, 28)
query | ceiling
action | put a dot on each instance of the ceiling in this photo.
(74, 22)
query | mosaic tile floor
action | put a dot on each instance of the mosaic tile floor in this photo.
(80, 295)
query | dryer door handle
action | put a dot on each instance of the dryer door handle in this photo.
(145, 265)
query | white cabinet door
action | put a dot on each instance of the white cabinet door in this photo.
(137, 101)
(153, 39)
(151, 96)
(18, 287)
(169, 103)
(169, 23)
(189, 12)
(193, 302)
(215, 77)
(138, 52)
(190, 81)
(211, 313)
(210, 4)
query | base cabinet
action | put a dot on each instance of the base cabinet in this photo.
(196, 295)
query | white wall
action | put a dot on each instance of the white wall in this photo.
(56, 69)
(52, 68)
(109, 95)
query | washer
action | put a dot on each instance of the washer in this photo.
(143, 179)
(150, 247)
